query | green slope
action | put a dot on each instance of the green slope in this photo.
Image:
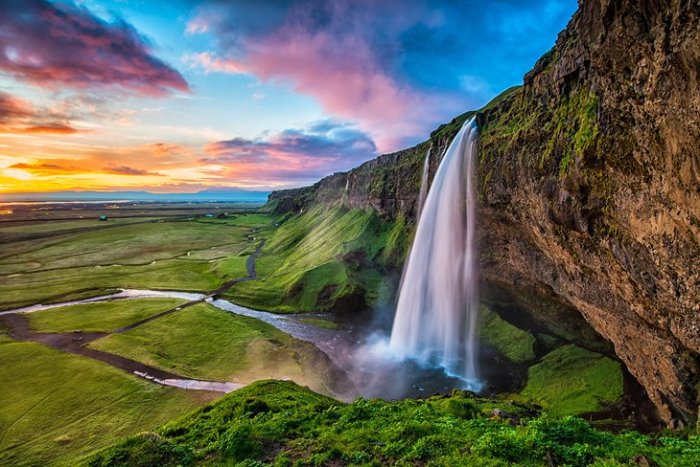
(326, 258)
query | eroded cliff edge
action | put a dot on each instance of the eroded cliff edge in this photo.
(589, 181)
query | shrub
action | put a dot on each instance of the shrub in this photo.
(238, 443)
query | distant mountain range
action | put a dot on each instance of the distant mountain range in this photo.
(211, 195)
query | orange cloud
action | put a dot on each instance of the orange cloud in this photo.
(125, 170)
(209, 63)
(20, 117)
(56, 129)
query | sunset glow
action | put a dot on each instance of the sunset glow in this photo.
(183, 96)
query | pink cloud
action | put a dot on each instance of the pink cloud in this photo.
(210, 63)
(61, 44)
(18, 116)
(294, 155)
(335, 59)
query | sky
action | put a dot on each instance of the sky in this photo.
(183, 96)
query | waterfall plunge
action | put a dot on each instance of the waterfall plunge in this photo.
(435, 320)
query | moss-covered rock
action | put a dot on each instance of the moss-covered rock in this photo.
(571, 380)
(512, 343)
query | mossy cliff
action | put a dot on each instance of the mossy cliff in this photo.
(589, 184)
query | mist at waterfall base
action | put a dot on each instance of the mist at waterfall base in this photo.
(432, 346)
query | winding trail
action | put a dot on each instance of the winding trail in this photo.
(76, 342)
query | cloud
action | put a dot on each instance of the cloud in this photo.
(63, 44)
(397, 68)
(162, 150)
(20, 117)
(60, 166)
(303, 154)
(42, 167)
(54, 129)
(209, 63)
(13, 109)
(124, 170)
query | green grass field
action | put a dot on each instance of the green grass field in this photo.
(197, 255)
(204, 342)
(99, 317)
(57, 407)
(44, 227)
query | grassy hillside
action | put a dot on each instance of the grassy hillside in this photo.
(280, 423)
(326, 258)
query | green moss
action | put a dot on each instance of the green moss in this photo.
(572, 380)
(548, 342)
(574, 130)
(280, 423)
(319, 322)
(511, 342)
(398, 241)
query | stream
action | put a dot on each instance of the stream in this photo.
(352, 347)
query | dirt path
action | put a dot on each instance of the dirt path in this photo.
(76, 342)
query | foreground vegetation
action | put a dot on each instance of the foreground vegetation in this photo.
(281, 423)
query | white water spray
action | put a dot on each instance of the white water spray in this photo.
(435, 320)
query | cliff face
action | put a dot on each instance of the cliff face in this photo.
(589, 181)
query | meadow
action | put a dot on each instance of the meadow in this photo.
(195, 255)
(99, 317)
(203, 342)
(57, 407)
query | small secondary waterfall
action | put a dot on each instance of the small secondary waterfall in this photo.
(424, 183)
(435, 321)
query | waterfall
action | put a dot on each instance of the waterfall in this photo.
(424, 183)
(435, 321)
